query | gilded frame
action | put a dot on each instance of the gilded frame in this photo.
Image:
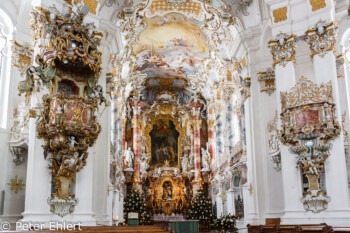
(167, 116)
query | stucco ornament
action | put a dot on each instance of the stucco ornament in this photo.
(282, 49)
(322, 38)
(267, 81)
(274, 143)
(308, 126)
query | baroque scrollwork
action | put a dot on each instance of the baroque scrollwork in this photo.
(322, 38)
(308, 126)
(282, 49)
(21, 56)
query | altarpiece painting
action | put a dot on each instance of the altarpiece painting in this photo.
(164, 139)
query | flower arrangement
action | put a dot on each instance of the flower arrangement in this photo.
(135, 203)
(226, 223)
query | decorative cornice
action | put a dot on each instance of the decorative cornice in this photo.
(322, 38)
(283, 48)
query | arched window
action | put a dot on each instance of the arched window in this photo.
(6, 30)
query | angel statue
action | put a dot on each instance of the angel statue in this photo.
(205, 159)
(144, 163)
(129, 157)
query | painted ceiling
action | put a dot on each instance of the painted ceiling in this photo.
(171, 46)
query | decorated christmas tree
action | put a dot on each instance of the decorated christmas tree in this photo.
(201, 208)
(135, 203)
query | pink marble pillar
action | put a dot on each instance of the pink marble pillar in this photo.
(196, 123)
(137, 106)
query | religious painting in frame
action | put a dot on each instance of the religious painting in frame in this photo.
(164, 143)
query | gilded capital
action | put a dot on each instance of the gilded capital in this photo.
(136, 123)
(322, 38)
(197, 124)
(211, 123)
(283, 48)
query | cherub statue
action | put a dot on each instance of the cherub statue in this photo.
(72, 141)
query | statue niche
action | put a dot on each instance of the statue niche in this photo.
(164, 141)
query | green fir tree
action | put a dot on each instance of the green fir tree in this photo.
(135, 203)
(201, 208)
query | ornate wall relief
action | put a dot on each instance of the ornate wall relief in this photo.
(308, 126)
(282, 49)
(267, 81)
(21, 56)
(274, 143)
(322, 38)
(69, 66)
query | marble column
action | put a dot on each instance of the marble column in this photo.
(124, 121)
(197, 147)
(325, 70)
(283, 52)
(137, 107)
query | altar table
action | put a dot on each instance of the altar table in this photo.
(188, 226)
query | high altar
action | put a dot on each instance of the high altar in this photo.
(166, 136)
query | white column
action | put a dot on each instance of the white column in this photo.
(291, 176)
(251, 213)
(230, 200)
(38, 186)
(121, 207)
(84, 181)
(219, 205)
(335, 165)
(347, 80)
(115, 211)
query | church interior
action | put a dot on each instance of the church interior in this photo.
(175, 115)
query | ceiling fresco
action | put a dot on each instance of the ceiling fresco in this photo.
(170, 46)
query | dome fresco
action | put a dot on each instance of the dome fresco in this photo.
(170, 46)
